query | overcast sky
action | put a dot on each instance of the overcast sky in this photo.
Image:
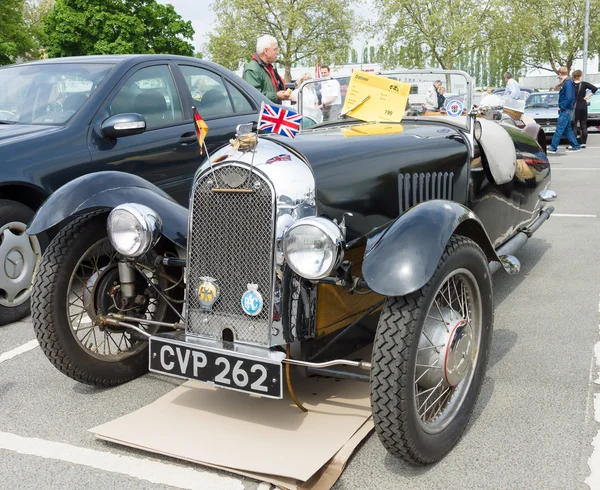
(202, 17)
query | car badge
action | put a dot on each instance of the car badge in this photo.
(208, 293)
(252, 301)
(454, 108)
(233, 179)
(284, 157)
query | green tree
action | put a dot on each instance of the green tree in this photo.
(554, 39)
(34, 14)
(431, 32)
(353, 56)
(15, 38)
(87, 27)
(307, 31)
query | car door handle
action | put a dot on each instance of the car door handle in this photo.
(188, 138)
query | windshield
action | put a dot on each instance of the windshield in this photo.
(388, 97)
(542, 100)
(47, 93)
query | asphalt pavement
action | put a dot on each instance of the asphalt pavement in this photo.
(533, 425)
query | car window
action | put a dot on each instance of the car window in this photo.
(240, 102)
(47, 93)
(542, 100)
(208, 92)
(150, 92)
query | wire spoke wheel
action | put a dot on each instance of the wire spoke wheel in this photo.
(77, 284)
(430, 354)
(448, 350)
(94, 291)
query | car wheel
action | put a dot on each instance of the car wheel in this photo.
(19, 257)
(77, 283)
(430, 355)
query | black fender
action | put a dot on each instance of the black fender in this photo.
(403, 257)
(106, 190)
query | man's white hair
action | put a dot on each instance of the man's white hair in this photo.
(264, 42)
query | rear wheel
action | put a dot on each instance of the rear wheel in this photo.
(78, 281)
(430, 355)
(19, 256)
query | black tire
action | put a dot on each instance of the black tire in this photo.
(17, 307)
(393, 375)
(50, 318)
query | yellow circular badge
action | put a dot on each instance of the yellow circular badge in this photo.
(208, 292)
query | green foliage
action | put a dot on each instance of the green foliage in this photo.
(15, 38)
(88, 27)
(431, 32)
(34, 14)
(555, 38)
(486, 38)
(307, 31)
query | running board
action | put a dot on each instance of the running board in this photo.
(506, 252)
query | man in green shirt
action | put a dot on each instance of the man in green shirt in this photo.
(262, 75)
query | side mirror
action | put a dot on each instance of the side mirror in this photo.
(123, 125)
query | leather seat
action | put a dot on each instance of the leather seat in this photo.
(152, 105)
(213, 103)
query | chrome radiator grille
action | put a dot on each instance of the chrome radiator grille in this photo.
(231, 239)
(414, 189)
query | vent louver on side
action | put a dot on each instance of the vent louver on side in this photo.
(417, 188)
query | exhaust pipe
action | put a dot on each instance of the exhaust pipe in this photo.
(507, 250)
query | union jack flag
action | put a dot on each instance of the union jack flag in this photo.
(278, 120)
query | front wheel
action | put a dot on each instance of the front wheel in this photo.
(77, 282)
(430, 355)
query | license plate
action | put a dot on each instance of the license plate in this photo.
(234, 371)
(549, 129)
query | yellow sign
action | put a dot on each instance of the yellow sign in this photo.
(375, 98)
(371, 129)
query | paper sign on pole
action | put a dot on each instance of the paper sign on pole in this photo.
(375, 98)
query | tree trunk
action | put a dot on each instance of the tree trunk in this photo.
(288, 71)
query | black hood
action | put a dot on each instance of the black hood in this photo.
(10, 133)
(359, 173)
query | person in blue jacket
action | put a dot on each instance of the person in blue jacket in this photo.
(566, 103)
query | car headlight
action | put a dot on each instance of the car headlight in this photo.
(133, 229)
(313, 247)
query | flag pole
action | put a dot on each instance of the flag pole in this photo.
(262, 107)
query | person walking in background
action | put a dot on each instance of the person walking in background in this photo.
(566, 102)
(331, 97)
(431, 96)
(581, 105)
(512, 90)
(260, 72)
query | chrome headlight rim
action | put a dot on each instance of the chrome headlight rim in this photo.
(149, 232)
(331, 231)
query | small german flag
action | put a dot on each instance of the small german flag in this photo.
(201, 128)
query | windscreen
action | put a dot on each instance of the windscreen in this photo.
(47, 94)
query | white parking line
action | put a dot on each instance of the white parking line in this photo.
(32, 344)
(143, 469)
(574, 215)
(594, 462)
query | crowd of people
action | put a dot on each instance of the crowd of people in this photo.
(323, 101)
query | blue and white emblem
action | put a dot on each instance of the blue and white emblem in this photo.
(454, 108)
(252, 301)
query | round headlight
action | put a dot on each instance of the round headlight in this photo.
(133, 229)
(313, 247)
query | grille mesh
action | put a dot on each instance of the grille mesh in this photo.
(231, 240)
(417, 188)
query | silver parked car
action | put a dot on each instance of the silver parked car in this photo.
(543, 107)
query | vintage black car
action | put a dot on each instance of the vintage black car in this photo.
(287, 247)
(65, 117)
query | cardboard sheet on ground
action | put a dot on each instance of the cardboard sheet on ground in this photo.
(270, 440)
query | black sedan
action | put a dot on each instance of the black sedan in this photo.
(65, 117)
